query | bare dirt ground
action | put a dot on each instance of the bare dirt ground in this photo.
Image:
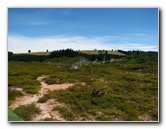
(46, 108)
(46, 111)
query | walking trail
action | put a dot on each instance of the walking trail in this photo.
(46, 108)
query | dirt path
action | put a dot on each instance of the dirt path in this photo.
(46, 108)
(46, 111)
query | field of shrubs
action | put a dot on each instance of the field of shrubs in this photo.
(123, 90)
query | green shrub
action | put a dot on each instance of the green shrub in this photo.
(65, 113)
(50, 81)
(58, 78)
(83, 105)
(44, 98)
(98, 84)
(12, 94)
(31, 89)
(22, 81)
(27, 111)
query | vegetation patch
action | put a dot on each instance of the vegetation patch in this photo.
(31, 89)
(26, 112)
(65, 113)
(45, 98)
(12, 94)
(125, 90)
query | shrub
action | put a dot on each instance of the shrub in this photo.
(83, 105)
(22, 80)
(12, 94)
(27, 111)
(44, 98)
(65, 113)
(31, 89)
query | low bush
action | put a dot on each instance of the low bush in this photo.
(12, 94)
(26, 112)
(65, 113)
(31, 89)
(44, 98)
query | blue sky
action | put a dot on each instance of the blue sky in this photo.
(39, 29)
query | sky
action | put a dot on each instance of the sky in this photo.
(39, 29)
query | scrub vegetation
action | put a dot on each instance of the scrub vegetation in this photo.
(26, 112)
(106, 87)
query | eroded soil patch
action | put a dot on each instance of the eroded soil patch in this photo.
(46, 108)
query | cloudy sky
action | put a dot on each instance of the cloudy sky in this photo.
(39, 29)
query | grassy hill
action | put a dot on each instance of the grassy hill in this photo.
(35, 53)
(40, 53)
(81, 51)
(96, 52)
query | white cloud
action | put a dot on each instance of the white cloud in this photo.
(19, 44)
